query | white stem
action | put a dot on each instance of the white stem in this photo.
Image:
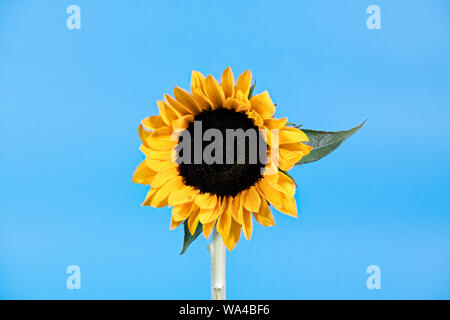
(217, 251)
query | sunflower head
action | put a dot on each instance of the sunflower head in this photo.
(218, 157)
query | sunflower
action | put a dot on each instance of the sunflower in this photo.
(222, 195)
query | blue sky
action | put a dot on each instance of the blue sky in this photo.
(71, 101)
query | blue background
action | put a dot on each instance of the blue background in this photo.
(71, 101)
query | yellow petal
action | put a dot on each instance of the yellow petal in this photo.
(193, 221)
(182, 123)
(290, 207)
(228, 82)
(256, 117)
(247, 224)
(243, 100)
(180, 109)
(174, 224)
(241, 108)
(157, 154)
(271, 177)
(153, 122)
(187, 100)
(236, 206)
(276, 198)
(272, 123)
(224, 222)
(214, 92)
(290, 155)
(158, 165)
(306, 149)
(207, 228)
(288, 159)
(183, 211)
(231, 103)
(285, 184)
(244, 82)
(271, 167)
(183, 195)
(270, 193)
(209, 215)
(166, 112)
(231, 239)
(143, 174)
(202, 100)
(163, 176)
(147, 149)
(144, 135)
(152, 199)
(162, 139)
(197, 81)
(263, 104)
(253, 200)
(286, 165)
(297, 147)
(158, 197)
(264, 216)
(291, 135)
(206, 200)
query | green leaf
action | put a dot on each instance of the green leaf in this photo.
(324, 142)
(188, 238)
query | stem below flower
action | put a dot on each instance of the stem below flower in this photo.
(217, 251)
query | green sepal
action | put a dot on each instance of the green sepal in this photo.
(252, 89)
(291, 124)
(188, 237)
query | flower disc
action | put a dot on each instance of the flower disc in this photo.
(224, 179)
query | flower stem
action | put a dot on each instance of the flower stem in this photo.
(217, 251)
